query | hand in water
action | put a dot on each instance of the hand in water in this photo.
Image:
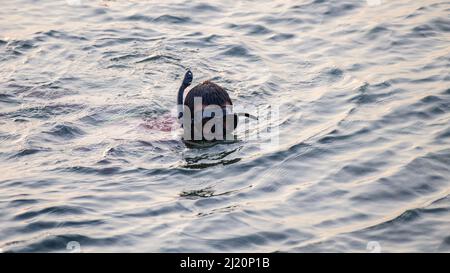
(188, 78)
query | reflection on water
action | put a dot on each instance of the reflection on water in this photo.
(88, 155)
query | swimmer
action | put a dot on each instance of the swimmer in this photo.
(207, 112)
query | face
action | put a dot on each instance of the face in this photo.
(212, 117)
(206, 101)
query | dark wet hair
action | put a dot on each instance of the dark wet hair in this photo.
(211, 94)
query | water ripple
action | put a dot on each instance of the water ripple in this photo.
(87, 154)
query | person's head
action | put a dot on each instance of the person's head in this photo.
(212, 97)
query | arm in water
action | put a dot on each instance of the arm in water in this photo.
(186, 82)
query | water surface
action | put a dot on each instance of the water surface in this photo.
(364, 132)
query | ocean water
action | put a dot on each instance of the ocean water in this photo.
(362, 157)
